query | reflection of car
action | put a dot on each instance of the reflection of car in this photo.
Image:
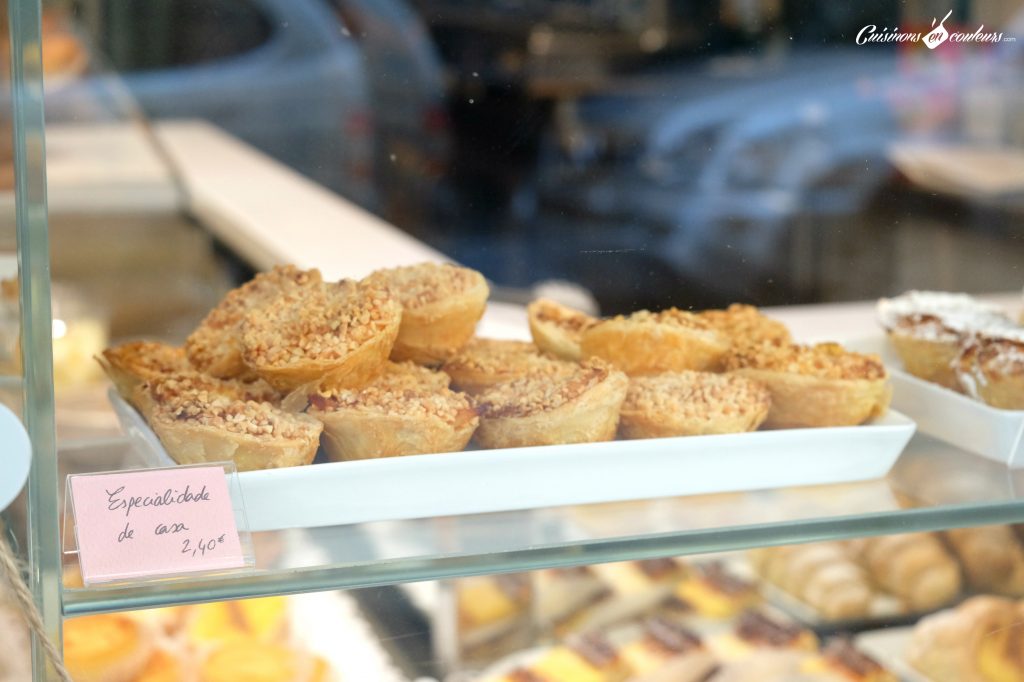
(716, 167)
(289, 76)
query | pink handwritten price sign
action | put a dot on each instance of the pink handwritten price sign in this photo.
(154, 522)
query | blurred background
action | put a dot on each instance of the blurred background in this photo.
(654, 152)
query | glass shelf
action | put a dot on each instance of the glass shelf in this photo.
(933, 486)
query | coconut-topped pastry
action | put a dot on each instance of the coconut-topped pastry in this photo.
(927, 328)
(441, 304)
(692, 403)
(557, 329)
(215, 347)
(650, 343)
(581, 406)
(991, 368)
(483, 363)
(820, 385)
(337, 333)
(406, 410)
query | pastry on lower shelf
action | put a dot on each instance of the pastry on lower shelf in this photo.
(991, 557)
(167, 665)
(216, 623)
(491, 607)
(635, 587)
(927, 327)
(711, 591)
(562, 593)
(651, 343)
(744, 325)
(767, 665)
(820, 385)
(397, 414)
(215, 347)
(841, 658)
(111, 647)
(691, 404)
(583, 658)
(557, 329)
(822, 575)
(197, 428)
(484, 363)
(339, 334)
(132, 364)
(991, 368)
(755, 629)
(441, 304)
(667, 652)
(248, 660)
(915, 567)
(579, 407)
(978, 641)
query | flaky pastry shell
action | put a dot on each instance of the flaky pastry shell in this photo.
(557, 329)
(651, 343)
(582, 407)
(484, 363)
(339, 334)
(692, 403)
(441, 304)
(815, 386)
(131, 364)
(215, 347)
(743, 325)
(931, 360)
(991, 369)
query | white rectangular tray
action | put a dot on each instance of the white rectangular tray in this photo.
(950, 416)
(481, 481)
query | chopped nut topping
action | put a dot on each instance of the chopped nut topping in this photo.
(147, 359)
(699, 395)
(419, 285)
(445, 404)
(744, 325)
(246, 417)
(552, 312)
(184, 384)
(324, 321)
(218, 335)
(670, 316)
(505, 359)
(540, 392)
(823, 360)
(400, 375)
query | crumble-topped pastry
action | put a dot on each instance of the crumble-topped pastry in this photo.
(441, 304)
(544, 409)
(131, 364)
(745, 325)
(557, 329)
(654, 342)
(820, 385)
(336, 333)
(483, 363)
(215, 347)
(182, 385)
(692, 403)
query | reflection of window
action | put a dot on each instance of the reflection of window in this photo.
(170, 33)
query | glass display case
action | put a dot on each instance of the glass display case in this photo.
(711, 498)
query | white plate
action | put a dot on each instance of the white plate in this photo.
(950, 416)
(473, 482)
(889, 646)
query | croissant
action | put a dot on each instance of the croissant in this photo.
(915, 567)
(991, 557)
(822, 575)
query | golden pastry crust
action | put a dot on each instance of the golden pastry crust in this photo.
(927, 359)
(540, 409)
(112, 647)
(745, 325)
(131, 364)
(215, 347)
(339, 334)
(196, 427)
(441, 304)
(398, 414)
(167, 665)
(915, 567)
(484, 363)
(823, 575)
(692, 403)
(811, 386)
(991, 368)
(256, 661)
(965, 644)
(651, 343)
(991, 557)
(173, 386)
(557, 329)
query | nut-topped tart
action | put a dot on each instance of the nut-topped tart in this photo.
(484, 363)
(557, 329)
